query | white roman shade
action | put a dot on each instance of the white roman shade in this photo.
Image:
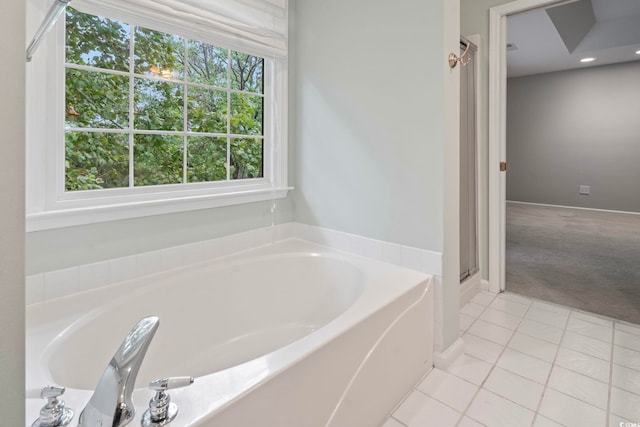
(257, 27)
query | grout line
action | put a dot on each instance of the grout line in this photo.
(440, 401)
(632, 325)
(599, 316)
(610, 385)
(553, 365)
(493, 366)
(563, 329)
(535, 413)
(577, 398)
(397, 420)
(591, 336)
(464, 413)
(587, 354)
(538, 338)
(475, 318)
(409, 393)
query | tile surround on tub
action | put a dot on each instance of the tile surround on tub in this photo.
(393, 253)
(121, 269)
(34, 288)
(93, 275)
(59, 283)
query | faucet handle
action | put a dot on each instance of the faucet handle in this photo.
(54, 413)
(161, 410)
(51, 392)
(170, 383)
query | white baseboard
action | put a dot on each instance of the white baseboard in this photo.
(484, 285)
(572, 207)
(469, 288)
(444, 359)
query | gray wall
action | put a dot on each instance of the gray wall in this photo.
(370, 119)
(572, 128)
(12, 126)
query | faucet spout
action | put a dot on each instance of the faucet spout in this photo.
(111, 404)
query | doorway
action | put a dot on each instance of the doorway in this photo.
(567, 221)
(497, 133)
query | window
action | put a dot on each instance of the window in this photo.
(153, 122)
(150, 108)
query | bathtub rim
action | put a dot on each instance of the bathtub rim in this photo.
(148, 284)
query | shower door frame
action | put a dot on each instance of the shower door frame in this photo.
(473, 274)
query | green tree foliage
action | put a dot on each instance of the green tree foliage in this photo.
(157, 159)
(161, 50)
(96, 41)
(207, 64)
(247, 72)
(244, 155)
(96, 160)
(207, 159)
(207, 110)
(167, 70)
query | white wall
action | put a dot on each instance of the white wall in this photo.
(65, 247)
(12, 126)
(572, 128)
(371, 157)
(370, 119)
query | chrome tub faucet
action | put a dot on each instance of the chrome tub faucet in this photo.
(111, 404)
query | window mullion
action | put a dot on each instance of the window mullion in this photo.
(61, 154)
(132, 34)
(229, 116)
(185, 96)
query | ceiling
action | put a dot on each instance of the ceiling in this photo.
(557, 37)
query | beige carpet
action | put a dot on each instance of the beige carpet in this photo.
(584, 259)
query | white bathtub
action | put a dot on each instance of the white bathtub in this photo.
(289, 335)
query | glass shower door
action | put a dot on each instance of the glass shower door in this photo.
(468, 165)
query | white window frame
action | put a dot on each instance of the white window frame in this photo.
(50, 206)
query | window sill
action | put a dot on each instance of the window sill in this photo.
(69, 217)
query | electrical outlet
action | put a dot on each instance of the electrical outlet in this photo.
(585, 189)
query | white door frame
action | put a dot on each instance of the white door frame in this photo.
(498, 132)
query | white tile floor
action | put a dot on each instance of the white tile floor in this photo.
(531, 363)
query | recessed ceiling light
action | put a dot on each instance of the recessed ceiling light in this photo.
(637, 52)
(587, 59)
